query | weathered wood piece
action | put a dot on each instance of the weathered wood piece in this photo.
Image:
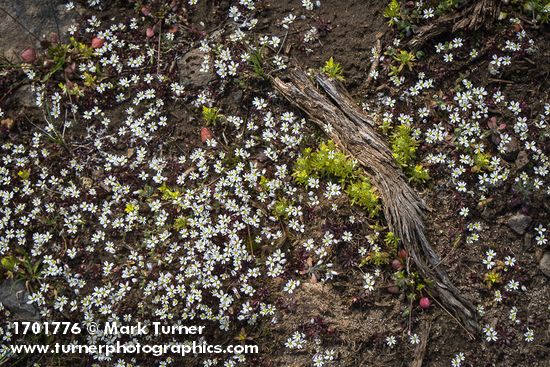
(471, 18)
(354, 132)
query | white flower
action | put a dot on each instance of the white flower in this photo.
(490, 333)
(428, 13)
(288, 20)
(307, 4)
(368, 282)
(458, 359)
(414, 339)
(509, 261)
(296, 341)
(259, 103)
(529, 335)
(512, 285)
(291, 285)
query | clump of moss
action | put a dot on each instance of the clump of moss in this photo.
(377, 258)
(403, 145)
(363, 194)
(210, 115)
(404, 58)
(419, 174)
(280, 209)
(169, 193)
(381, 255)
(391, 240)
(481, 161)
(404, 148)
(328, 162)
(180, 223)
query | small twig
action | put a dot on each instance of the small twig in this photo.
(250, 240)
(225, 138)
(410, 314)
(530, 61)
(503, 81)
(282, 43)
(374, 66)
(158, 51)
(420, 350)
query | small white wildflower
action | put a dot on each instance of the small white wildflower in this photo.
(368, 282)
(296, 341)
(291, 285)
(428, 13)
(414, 339)
(529, 335)
(490, 333)
(458, 359)
(391, 341)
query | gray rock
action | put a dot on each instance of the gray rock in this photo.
(24, 96)
(512, 150)
(522, 160)
(544, 264)
(237, 97)
(519, 223)
(189, 70)
(39, 17)
(14, 296)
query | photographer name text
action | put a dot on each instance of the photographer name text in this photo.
(157, 328)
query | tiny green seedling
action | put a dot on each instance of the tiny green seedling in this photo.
(393, 12)
(211, 115)
(333, 69)
(405, 58)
